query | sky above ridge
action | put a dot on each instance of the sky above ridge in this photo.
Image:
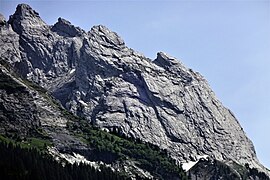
(228, 42)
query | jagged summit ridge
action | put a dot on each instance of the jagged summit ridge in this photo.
(94, 75)
(65, 28)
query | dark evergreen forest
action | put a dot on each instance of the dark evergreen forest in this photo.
(17, 163)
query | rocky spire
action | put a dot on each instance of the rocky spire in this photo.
(24, 17)
(24, 10)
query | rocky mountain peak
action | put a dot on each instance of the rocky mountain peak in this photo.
(24, 11)
(65, 28)
(25, 17)
(174, 66)
(95, 76)
(103, 34)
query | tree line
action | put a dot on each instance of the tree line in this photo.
(17, 163)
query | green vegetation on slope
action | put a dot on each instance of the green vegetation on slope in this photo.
(105, 146)
(18, 163)
(214, 169)
(38, 143)
(146, 156)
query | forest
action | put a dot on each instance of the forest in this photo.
(17, 163)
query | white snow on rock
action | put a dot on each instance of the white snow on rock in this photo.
(188, 165)
(83, 103)
(72, 71)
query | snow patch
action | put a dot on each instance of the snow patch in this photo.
(188, 165)
(72, 71)
(83, 103)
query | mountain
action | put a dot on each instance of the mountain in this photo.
(35, 129)
(97, 78)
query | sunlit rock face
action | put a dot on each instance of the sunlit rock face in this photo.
(96, 76)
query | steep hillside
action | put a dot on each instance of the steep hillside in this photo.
(31, 118)
(95, 76)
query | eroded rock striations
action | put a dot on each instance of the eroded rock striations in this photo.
(96, 76)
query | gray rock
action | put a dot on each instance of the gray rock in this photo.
(27, 111)
(48, 54)
(2, 20)
(65, 28)
(96, 76)
(9, 43)
(22, 108)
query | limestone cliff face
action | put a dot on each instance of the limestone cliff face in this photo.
(24, 110)
(94, 75)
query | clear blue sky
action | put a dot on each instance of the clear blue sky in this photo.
(226, 41)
